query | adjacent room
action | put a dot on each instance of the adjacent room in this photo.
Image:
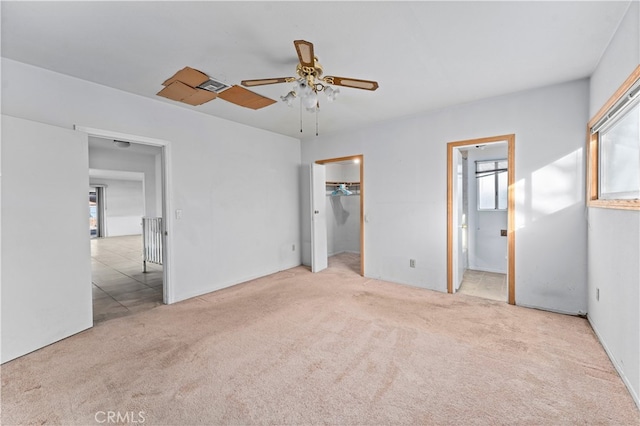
(481, 208)
(346, 212)
(126, 217)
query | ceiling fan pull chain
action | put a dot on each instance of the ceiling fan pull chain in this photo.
(300, 115)
(317, 109)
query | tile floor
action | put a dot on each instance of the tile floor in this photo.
(484, 284)
(119, 286)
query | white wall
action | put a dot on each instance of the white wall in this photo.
(235, 225)
(406, 190)
(487, 249)
(343, 224)
(124, 206)
(126, 201)
(614, 235)
(341, 172)
(125, 160)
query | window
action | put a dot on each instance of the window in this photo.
(492, 184)
(614, 149)
(620, 158)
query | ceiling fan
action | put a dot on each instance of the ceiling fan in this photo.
(309, 80)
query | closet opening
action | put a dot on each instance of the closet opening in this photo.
(343, 199)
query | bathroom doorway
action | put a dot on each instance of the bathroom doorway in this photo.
(480, 217)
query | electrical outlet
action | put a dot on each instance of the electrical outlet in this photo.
(597, 294)
(293, 247)
(412, 263)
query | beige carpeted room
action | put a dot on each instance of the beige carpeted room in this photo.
(446, 231)
(326, 348)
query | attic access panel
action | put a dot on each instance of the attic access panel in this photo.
(213, 86)
(246, 98)
(194, 87)
(178, 91)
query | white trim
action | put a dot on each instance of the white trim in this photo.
(614, 114)
(168, 289)
(625, 380)
(116, 174)
(554, 310)
(490, 270)
(108, 134)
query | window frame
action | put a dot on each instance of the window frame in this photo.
(593, 153)
(496, 184)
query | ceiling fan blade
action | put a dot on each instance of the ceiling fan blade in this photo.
(351, 82)
(305, 53)
(263, 81)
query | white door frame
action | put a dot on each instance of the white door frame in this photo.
(511, 210)
(167, 290)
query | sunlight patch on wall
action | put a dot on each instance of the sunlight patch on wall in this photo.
(521, 198)
(557, 186)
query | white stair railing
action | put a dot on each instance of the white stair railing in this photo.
(152, 241)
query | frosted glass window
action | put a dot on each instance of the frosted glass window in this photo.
(492, 184)
(620, 158)
(486, 193)
(502, 190)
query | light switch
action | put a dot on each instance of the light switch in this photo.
(178, 213)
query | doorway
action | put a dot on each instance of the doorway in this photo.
(129, 176)
(93, 213)
(338, 212)
(480, 217)
(96, 211)
(156, 203)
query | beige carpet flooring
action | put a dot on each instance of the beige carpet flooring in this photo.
(327, 348)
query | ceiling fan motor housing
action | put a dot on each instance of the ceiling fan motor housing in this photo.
(310, 73)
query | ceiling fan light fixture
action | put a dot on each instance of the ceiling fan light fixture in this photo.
(288, 98)
(331, 93)
(303, 88)
(310, 101)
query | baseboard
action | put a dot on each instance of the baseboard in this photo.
(495, 271)
(231, 283)
(555, 311)
(343, 251)
(625, 380)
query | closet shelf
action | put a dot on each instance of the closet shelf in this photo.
(352, 187)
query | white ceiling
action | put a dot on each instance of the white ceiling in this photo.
(425, 55)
